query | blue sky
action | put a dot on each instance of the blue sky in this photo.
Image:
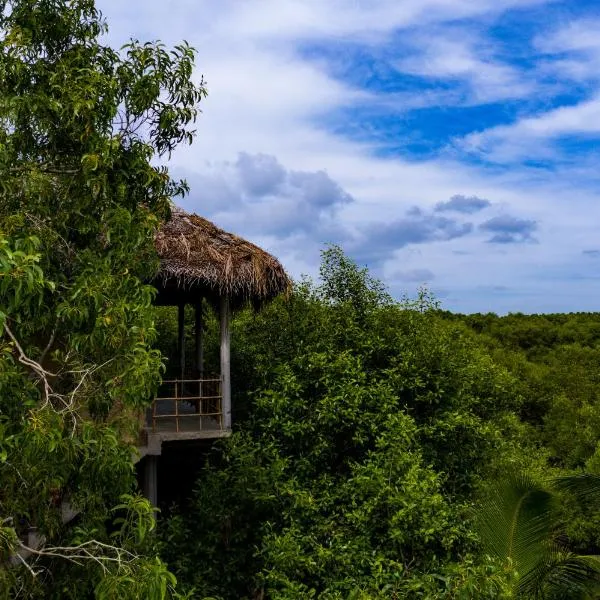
(451, 143)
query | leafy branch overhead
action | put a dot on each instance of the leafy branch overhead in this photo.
(81, 196)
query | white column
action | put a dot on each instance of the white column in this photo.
(181, 337)
(199, 340)
(151, 479)
(225, 362)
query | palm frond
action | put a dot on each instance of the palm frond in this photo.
(517, 524)
(583, 486)
(516, 520)
(560, 574)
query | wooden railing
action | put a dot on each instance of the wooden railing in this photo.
(184, 405)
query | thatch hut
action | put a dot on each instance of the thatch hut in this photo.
(198, 259)
(200, 262)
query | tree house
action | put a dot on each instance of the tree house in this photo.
(202, 265)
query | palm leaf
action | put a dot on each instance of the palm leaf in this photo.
(516, 521)
(558, 573)
(583, 486)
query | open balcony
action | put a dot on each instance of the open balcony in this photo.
(187, 405)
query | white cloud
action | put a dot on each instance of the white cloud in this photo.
(576, 35)
(258, 195)
(268, 103)
(458, 55)
(528, 138)
(275, 20)
(572, 51)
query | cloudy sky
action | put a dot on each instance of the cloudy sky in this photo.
(452, 143)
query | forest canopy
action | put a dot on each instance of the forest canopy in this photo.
(381, 448)
(374, 440)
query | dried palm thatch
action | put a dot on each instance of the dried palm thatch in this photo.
(196, 256)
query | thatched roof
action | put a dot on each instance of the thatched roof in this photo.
(198, 257)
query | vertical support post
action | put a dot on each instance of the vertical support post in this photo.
(151, 479)
(199, 340)
(199, 358)
(177, 408)
(181, 337)
(225, 362)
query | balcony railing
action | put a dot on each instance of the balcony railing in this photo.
(187, 405)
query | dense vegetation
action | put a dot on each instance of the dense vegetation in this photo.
(80, 199)
(370, 434)
(382, 449)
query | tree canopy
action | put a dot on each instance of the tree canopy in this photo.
(83, 128)
(388, 449)
(370, 424)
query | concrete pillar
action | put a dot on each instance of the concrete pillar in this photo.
(181, 338)
(225, 362)
(151, 479)
(199, 340)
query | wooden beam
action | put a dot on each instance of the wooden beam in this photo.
(225, 361)
(181, 338)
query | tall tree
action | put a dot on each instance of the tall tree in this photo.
(82, 131)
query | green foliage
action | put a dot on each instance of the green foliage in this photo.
(147, 579)
(516, 522)
(80, 200)
(368, 429)
(554, 359)
(368, 425)
(519, 524)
